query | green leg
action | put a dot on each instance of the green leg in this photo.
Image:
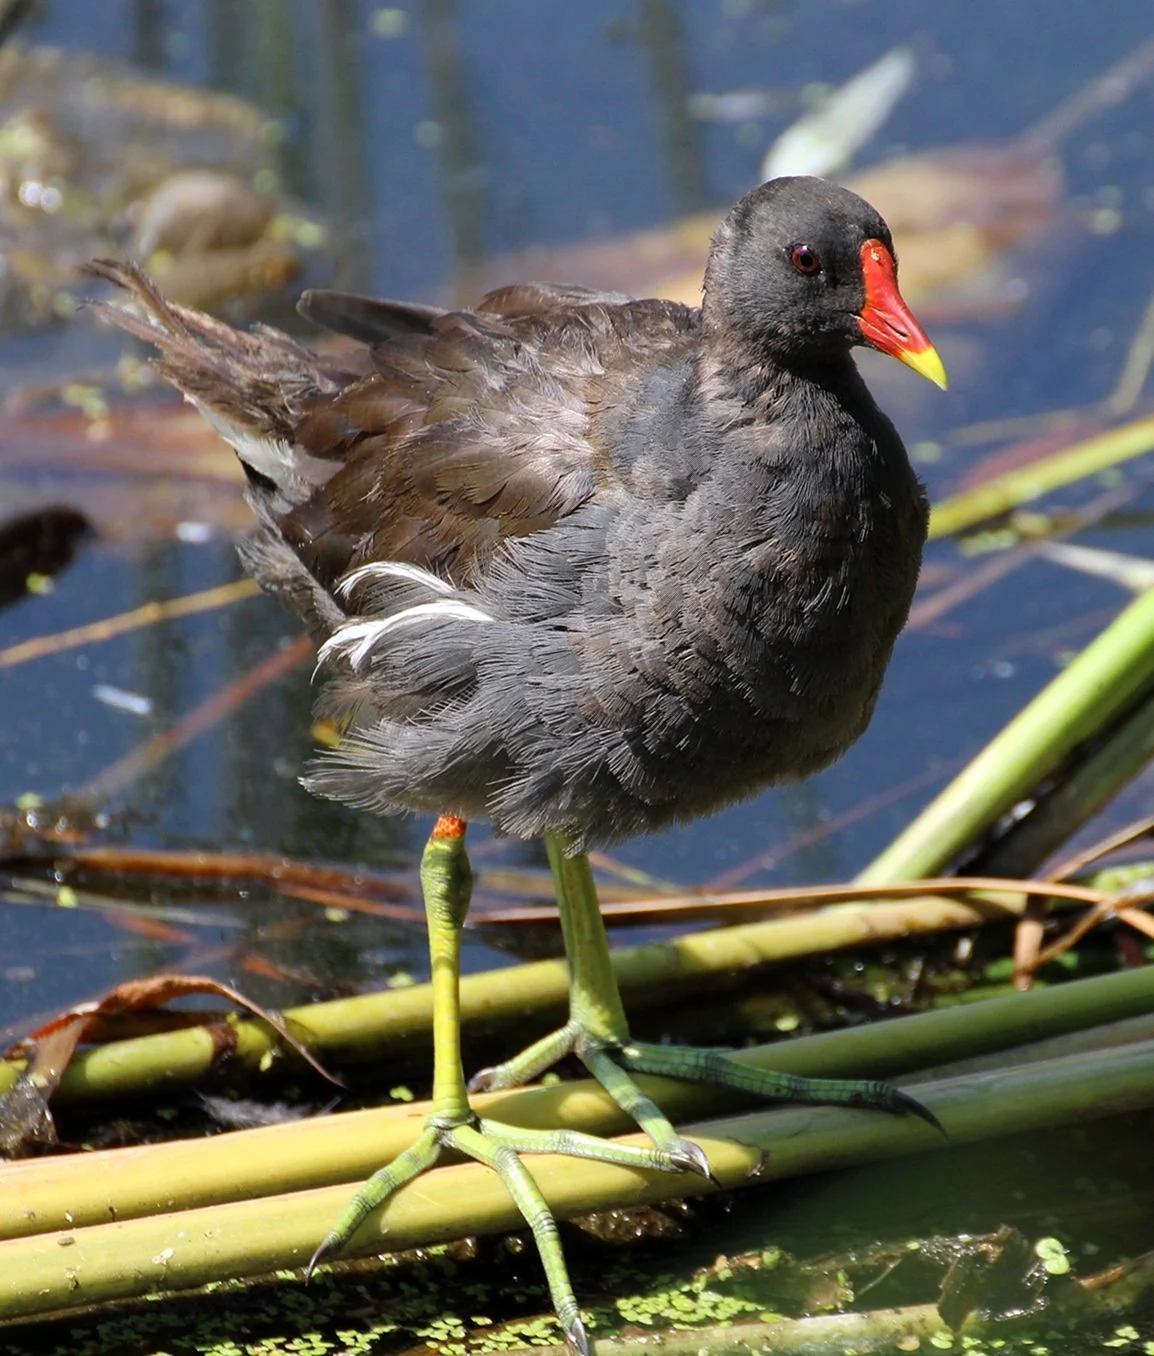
(446, 881)
(597, 1032)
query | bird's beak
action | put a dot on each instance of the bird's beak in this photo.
(887, 323)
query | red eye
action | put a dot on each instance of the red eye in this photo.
(805, 260)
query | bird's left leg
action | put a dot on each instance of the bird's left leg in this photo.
(598, 1033)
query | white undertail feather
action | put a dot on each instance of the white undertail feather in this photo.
(272, 458)
(393, 569)
(356, 639)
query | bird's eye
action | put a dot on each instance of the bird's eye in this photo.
(805, 260)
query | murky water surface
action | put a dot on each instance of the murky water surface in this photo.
(439, 142)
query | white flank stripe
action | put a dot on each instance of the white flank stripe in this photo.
(357, 639)
(393, 569)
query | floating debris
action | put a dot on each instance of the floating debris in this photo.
(825, 142)
(38, 545)
(135, 703)
(99, 157)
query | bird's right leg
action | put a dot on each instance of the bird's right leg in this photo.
(446, 881)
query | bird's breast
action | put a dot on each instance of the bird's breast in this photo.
(770, 616)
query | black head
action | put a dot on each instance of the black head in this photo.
(802, 269)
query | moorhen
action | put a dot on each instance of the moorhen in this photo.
(582, 566)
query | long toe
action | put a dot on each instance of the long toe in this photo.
(720, 1069)
(526, 1066)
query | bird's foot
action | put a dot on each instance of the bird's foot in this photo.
(600, 1057)
(614, 1064)
(499, 1146)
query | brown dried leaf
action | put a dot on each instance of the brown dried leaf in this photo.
(24, 1114)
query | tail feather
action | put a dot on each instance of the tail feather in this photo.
(250, 385)
(267, 557)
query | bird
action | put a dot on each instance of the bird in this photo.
(583, 566)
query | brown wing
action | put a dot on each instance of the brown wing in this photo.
(443, 434)
(372, 321)
(474, 426)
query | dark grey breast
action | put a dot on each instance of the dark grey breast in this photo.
(579, 562)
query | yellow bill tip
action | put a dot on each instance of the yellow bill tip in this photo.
(926, 363)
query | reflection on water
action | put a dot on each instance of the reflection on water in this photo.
(431, 138)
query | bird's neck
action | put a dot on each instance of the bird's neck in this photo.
(794, 430)
(743, 385)
(725, 416)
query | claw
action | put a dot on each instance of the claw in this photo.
(879, 1096)
(326, 1246)
(481, 1080)
(690, 1157)
(885, 1097)
(905, 1105)
(576, 1338)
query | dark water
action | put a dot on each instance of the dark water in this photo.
(433, 136)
